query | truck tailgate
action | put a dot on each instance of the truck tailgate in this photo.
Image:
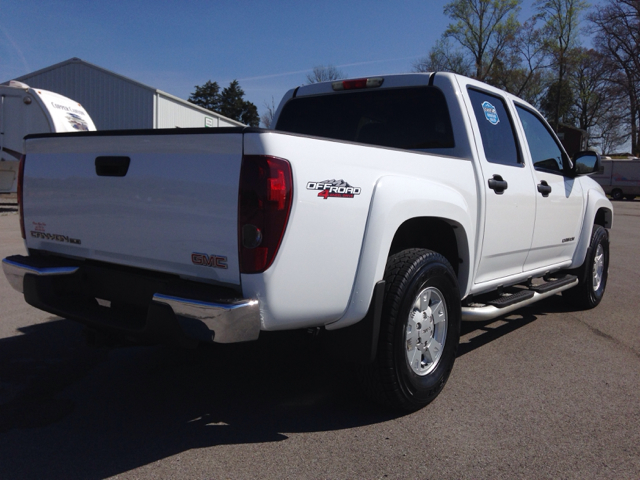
(174, 209)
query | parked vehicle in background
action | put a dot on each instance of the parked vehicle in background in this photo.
(381, 211)
(25, 110)
(619, 178)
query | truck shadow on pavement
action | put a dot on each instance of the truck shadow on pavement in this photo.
(474, 335)
(69, 410)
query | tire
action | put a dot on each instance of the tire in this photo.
(593, 274)
(617, 194)
(419, 331)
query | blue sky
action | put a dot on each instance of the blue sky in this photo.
(173, 46)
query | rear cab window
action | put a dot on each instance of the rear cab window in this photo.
(409, 118)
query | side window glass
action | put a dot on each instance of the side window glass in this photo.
(496, 129)
(545, 152)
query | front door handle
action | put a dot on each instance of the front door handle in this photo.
(544, 188)
(498, 184)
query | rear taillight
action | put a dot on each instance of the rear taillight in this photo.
(20, 196)
(264, 205)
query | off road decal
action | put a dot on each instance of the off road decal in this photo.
(334, 189)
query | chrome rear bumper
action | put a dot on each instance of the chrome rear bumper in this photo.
(202, 313)
(238, 321)
(15, 270)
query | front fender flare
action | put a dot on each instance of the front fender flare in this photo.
(596, 200)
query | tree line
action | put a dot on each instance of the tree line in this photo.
(543, 61)
(229, 102)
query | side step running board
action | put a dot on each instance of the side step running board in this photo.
(508, 303)
(508, 300)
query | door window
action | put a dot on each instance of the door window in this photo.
(546, 154)
(496, 128)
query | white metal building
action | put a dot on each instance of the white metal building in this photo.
(115, 102)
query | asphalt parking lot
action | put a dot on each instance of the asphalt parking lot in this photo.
(543, 393)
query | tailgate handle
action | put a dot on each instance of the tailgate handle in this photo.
(112, 166)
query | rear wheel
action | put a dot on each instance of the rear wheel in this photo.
(589, 292)
(617, 194)
(419, 333)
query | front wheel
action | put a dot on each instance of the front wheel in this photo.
(593, 280)
(419, 333)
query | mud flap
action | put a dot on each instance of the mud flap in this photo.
(358, 343)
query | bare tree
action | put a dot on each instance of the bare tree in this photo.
(267, 117)
(561, 34)
(610, 133)
(483, 28)
(322, 73)
(618, 38)
(589, 80)
(444, 58)
(523, 68)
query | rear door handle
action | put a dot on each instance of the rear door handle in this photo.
(498, 184)
(544, 188)
(112, 166)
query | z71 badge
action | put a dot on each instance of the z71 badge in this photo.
(334, 189)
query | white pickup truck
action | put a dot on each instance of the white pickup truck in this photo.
(383, 210)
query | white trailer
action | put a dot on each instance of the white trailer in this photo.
(620, 178)
(25, 110)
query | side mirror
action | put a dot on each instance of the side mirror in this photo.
(585, 163)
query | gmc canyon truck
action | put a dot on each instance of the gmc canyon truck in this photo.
(384, 210)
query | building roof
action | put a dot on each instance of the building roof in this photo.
(78, 61)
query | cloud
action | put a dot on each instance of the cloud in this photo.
(17, 49)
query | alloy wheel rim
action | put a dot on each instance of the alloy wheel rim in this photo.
(598, 268)
(426, 331)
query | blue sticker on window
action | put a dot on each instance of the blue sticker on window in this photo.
(490, 113)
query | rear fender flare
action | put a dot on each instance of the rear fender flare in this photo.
(396, 200)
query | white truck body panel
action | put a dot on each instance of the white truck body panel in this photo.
(155, 217)
(310, 241)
